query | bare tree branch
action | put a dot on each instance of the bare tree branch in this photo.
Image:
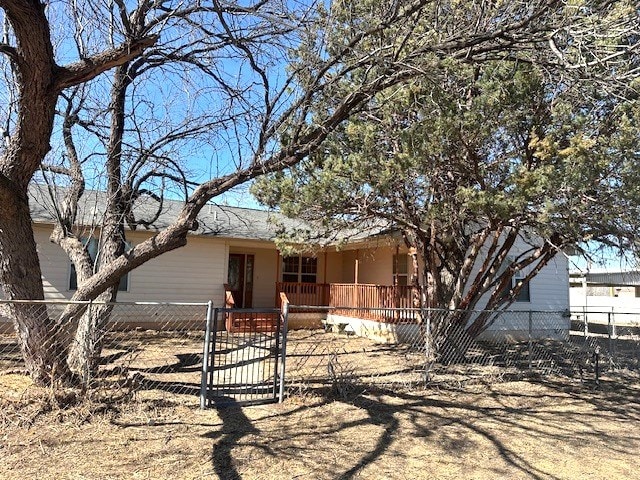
(89, 68)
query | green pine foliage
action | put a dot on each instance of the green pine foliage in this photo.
(473, 153)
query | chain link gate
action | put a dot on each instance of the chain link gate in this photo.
(244, 356)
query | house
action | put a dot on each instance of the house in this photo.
(605, 296)
(234, 248)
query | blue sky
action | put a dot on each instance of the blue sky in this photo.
(604, 260)
(167, 98)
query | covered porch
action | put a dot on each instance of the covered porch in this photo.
(311, 303)
(365, 283)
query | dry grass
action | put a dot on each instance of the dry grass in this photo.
(542, 430)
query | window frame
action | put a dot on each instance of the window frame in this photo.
(524, 295)
(300, 267)
(397, 274)
(91, 243)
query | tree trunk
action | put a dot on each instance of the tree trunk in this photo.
(39, 337)
(459, 333)
(85, 351)
(92, 327)
(38, 81)
(454, 344)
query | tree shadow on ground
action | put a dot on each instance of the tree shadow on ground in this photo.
(186, 362)
(383, 414)
(456, 419)
(235, 426)
(617, 393)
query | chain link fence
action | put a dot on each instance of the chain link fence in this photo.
(140, 346)
(613, 336)
(414, 348)
(157, 348)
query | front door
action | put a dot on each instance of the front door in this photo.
(240, 279)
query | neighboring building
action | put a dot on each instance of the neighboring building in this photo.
(606, 291)
(235, 246)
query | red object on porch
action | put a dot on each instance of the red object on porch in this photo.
(251, 322)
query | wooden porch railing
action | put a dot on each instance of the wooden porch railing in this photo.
(373, 302)
(308, 294)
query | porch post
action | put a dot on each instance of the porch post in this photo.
(356, 296)
(324, 273)
(325, 293)
(278, 262)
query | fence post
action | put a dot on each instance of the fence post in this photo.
(428, 347)
(609, 331)
(586, 323)
(614, 334)
(205, 356)
(428, 336)
(283, 346)
(530, 336)
(596, 358)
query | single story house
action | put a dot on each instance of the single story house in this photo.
(233, 252)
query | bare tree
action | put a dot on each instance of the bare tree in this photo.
(276, 62)
(39, 81)
(140, 147)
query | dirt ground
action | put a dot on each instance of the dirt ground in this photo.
(548, 429)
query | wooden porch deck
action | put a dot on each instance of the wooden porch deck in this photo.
(366, 301)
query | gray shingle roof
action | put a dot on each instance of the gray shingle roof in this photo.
(214, 220)
(218, 220)
(624, 278)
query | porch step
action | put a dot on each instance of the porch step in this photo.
(246, 323)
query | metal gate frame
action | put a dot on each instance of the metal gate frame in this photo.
(246, 387)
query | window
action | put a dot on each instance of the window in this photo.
(524, 295)
(290, 269)
(92, 248)
(299, 269)
(400, 270)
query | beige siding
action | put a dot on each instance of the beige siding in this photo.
(334, 268)
(197, 272)
(375, 265)
(194, 273)
(323, 267)
(348, 268)
(54, 264)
